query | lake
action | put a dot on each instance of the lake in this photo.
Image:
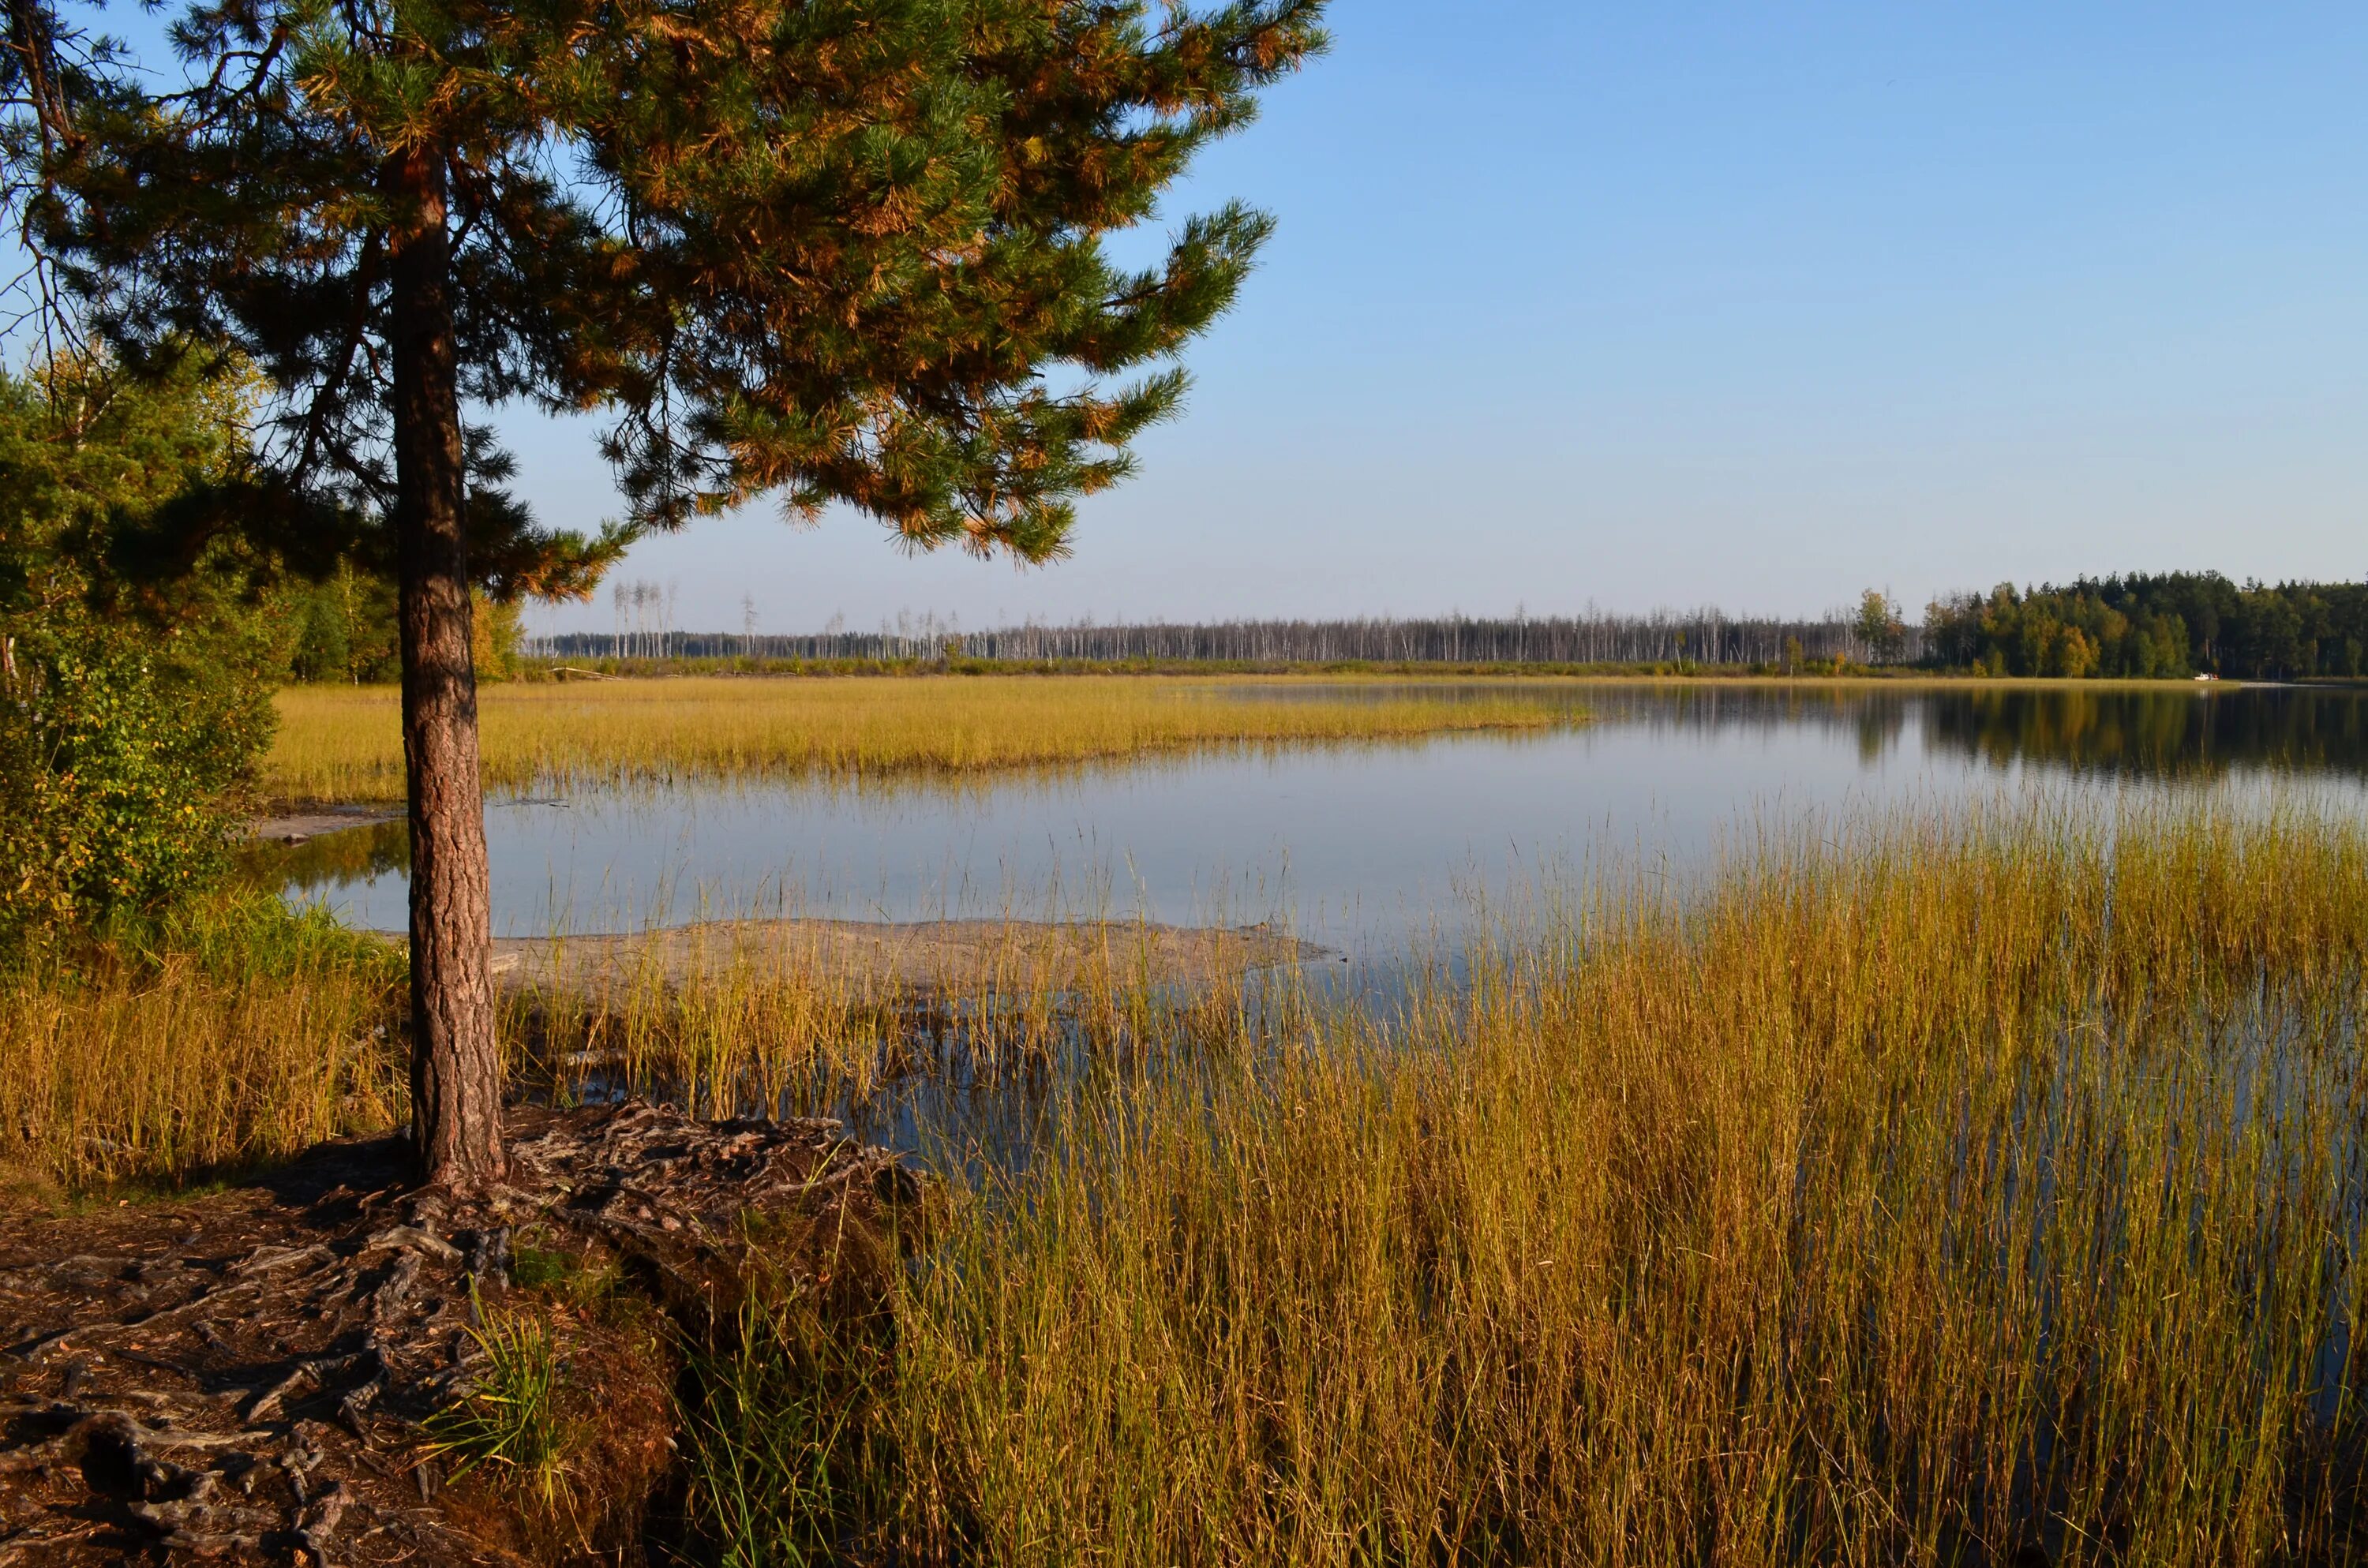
(1367, 847)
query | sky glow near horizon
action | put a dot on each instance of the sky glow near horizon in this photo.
(1731, 304)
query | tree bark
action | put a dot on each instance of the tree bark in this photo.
(456, 1076)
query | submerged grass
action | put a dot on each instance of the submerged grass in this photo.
(248, 1032)
(775, 1023)
(340, 743)
(1982, 1193)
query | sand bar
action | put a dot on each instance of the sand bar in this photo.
(943, 957)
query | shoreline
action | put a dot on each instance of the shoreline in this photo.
(917, 959)
(301, 822)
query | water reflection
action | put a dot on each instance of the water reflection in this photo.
(332, 860)
(2154, 733)
(1380, 850)
(1368, 845)
(2132, 731)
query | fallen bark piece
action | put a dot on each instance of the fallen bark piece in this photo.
(489, 1258)
(354, 1409)
(314, 1374)
(394, 1292)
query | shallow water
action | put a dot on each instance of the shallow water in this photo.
(1369, 846)
(1386, 852)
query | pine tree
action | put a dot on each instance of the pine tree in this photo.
(828, 250)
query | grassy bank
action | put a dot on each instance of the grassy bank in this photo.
(1934, 1194)
(241, 1034)
(234, 1037)
(343, 742)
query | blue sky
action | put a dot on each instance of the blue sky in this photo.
(1746, 304)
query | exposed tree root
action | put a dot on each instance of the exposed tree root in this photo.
(244, 1376)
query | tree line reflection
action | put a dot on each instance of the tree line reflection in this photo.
(2161, 730)
(2156, 733)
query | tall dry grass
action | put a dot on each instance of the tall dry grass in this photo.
(341, 742)
(1982, 1193)
(1978, 1190)
(241, 1036)
(777, 1023)
(245, 1033)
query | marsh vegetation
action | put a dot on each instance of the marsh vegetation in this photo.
(344, 742)
(1963, 1182)
(1977, 1191)
(232, 1035)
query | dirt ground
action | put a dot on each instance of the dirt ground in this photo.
(241, 1375)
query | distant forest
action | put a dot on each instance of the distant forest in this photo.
(1670, 638)
(2175, 624)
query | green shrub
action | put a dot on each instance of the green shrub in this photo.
(121, 778)
(132, 691)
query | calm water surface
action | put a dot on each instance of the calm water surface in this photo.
(1366, 846)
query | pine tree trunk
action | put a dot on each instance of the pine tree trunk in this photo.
(456, 1079)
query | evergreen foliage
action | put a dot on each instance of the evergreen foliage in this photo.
(827, 251)
(2173, 624)
(831, 250)
(131, 709)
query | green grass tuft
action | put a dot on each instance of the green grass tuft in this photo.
(510, 1422)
